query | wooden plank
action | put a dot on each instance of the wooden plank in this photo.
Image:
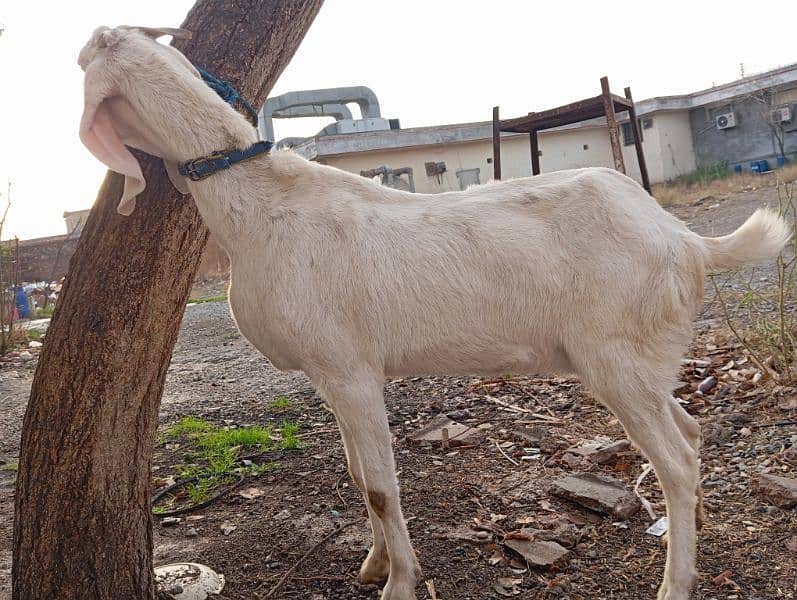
(496, 144)
(640, 155)
(611, 121)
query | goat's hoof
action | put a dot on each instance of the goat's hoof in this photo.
(375, 568)
(403, 591)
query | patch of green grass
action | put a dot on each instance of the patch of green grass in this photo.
(280, 404)
(213, 454)
(191, 426)
(222, 298)
(244, 437)
(289, 432)
(9, 467)
(707, 173)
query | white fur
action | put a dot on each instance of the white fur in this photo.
(574, 271)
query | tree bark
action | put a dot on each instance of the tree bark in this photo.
(83, 526)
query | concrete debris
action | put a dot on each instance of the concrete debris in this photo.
(539, 553)
(780, 491)
(600, 450)
(188, 581)
(441, 429)
(599, 493)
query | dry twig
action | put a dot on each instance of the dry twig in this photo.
(320, 543)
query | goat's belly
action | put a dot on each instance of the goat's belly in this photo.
(475, 360)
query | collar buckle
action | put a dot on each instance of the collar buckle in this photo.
(204, 167)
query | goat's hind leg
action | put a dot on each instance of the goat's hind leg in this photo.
(669, 438)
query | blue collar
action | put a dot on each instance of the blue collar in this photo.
(203, 167)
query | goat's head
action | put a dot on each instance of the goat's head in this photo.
(133, 87)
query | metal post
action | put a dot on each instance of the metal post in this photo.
(643, 167)
(611, 122)
(496, 145)
(535, 152)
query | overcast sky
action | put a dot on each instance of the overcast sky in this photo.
(429, 62)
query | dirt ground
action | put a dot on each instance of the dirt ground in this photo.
(747, 548)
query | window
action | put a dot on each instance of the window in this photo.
(628, 134)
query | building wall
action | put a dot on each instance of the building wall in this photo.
(562, 149)
(750, 140)
(675, 153)
(45, 259)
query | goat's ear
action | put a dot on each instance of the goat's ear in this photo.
(156, 32)
(102, 140)
(178, 181)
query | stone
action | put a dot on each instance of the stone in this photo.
(610, 453)
(599, 493)
(251, 493)
(539, 553)
(227, 528)
(780, 491)
(457, 433)
(170, 521)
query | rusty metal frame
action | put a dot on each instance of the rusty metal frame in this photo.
(607, 104)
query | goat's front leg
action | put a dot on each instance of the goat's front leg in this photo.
(376, 566)
(359, 407)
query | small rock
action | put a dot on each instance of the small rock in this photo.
(170, 521)
(191, 532)
(25, 356)
(34, 344)
(708, 384)
(536, 552)
(610, 453)
(530, 436)
(251, 493)
(780, 491)
(282, 515)
(599, 493)
(508, 586)
(227, 528)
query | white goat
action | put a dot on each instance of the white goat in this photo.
(575, 271)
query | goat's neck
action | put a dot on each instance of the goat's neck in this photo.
(236, 202)
(211, 132)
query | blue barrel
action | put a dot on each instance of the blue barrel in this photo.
(22, 302)
(737, 169)
(780, 161)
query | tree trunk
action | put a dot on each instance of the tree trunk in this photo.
(83, 527)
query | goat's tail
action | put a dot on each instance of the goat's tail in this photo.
(762, 236)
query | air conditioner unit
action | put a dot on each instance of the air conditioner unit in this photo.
(726, 120)
(781, 115)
